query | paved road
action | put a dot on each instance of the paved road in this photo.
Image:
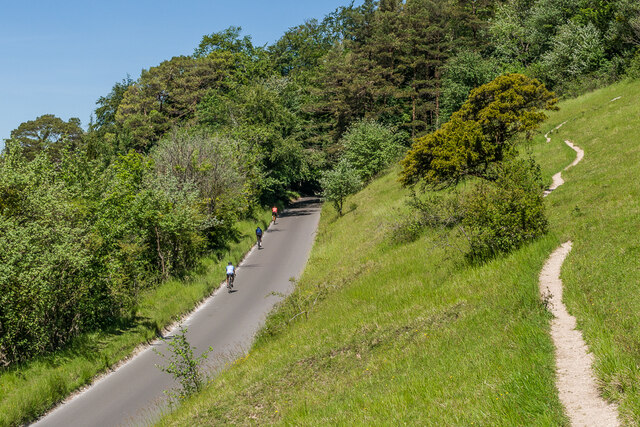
(133, 394)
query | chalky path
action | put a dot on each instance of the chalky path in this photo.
(576, 382)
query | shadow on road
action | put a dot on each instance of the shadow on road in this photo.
(302, 207)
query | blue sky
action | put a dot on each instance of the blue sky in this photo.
(60, 57)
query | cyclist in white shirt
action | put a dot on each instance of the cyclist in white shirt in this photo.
(231, 274)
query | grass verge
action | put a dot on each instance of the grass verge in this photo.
(30, 389)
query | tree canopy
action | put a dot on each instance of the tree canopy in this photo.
(49, 134)
(480, 133)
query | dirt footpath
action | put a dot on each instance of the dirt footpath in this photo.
(577, 386)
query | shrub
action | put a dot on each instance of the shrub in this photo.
(577, 50)
(369, 147)
(502, 215)
(183, 365)
(339, 183)
(633, 71)
(79, 242)
(480, 134)
(49, 289)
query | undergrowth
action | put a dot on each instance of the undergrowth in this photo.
(30, 389)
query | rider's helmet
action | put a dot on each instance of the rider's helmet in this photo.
(230, 263)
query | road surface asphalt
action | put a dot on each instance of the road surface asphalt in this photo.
(134, 393)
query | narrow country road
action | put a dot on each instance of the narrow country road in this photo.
(133, 394)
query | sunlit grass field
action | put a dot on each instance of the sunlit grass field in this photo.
(386, 333)
(30, 389)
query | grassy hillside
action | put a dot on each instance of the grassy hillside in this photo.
(28, 390)
(399, 332)
(379, 332)
(598, 209)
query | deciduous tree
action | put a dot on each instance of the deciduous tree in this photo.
(49, 134)
(169, 94)
(339, 183)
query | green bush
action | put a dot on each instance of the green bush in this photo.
(369, 147)
(78, 243)
(633, 70)
(47, 288)
(435, 210)
(339, 183)
(502, 215)
(185, 368)
(577, 50)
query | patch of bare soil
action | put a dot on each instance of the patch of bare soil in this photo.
(557, 178)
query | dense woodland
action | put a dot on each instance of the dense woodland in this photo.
(172, 158)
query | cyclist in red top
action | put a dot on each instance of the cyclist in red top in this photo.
(274, 213)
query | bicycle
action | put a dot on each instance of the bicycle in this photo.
(230, 279)
(259, 242)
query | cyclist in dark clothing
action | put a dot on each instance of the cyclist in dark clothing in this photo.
(259, 236)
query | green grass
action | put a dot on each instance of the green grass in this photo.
(411, 334)
(598, 209)
(30, 389)
(399, 334)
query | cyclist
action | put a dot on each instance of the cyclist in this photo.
(259, 236)
(231, 274)
(274, 213)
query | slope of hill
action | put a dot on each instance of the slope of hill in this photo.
(380, 331)
(598, 210)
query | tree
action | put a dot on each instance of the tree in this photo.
(106, 136)
(522, 29)
(463, 73)
(392, 72)
(210, 163)
(339, 183)
(249, 62)
(169, 94)
(577, 50)
(426, 47)
(108, 105)
(301, 48)
(49, 134)
(479, 134)
(227, 40)
(470, 23)
(369, 147)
